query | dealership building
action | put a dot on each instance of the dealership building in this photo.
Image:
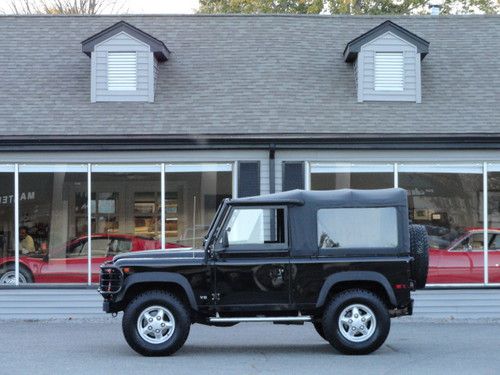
(130, 130)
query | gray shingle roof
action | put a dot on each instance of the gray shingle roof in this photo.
(247, 75)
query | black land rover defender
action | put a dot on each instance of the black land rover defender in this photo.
(344, 260)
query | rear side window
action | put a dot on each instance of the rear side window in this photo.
(352, 228)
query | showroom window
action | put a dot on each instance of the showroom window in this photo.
(7, 230)
(52, 223)
(447, 200)
(193, 193)
(493, 226)
(331, 176)
(126, 211)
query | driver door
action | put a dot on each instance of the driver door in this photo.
(251, 263)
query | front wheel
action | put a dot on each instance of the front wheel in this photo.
(356, 322)
(156, 323)
(8, 275)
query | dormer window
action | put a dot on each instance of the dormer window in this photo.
(387, 63)
(124, 64)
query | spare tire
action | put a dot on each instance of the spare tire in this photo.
(419, 250)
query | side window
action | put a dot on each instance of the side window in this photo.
(472, 243)
(100, 247)
(495, 242)
(76, 249)
(357, 228)
(119, 245)
(256, 226)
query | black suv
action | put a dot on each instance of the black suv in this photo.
(345, 260)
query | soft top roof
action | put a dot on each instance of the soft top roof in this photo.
(340, 198)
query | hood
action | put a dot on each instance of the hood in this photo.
(174, 254)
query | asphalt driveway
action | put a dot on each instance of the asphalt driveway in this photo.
(98, 347)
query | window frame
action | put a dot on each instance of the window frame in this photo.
(255, 248)
(368, 251)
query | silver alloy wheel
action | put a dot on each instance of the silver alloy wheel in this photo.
(156, 324)
(9, 278)
(357, 323)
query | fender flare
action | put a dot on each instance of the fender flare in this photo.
(339, 277)
(160, 277)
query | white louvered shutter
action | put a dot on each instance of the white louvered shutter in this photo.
(122, 71)
(389, 71)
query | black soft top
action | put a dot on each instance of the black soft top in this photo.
(303, 207)
(333, 198)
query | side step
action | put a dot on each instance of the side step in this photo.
(256, 319)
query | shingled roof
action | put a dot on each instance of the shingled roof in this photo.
(247, 76)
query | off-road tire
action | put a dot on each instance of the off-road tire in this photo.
(318, 326)
(347, 298)
(156, 298)
(419, 250)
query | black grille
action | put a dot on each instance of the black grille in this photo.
(110, 280)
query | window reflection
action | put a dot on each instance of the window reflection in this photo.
(449, 206)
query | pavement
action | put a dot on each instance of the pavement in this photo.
(98, 347)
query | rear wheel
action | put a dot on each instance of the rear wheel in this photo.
(419, 250)
(356, 322)
(156, 323)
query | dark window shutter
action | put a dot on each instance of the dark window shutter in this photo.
(248, 178)
(293, 175)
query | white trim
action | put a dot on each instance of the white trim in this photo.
(418, 79)
(52, 168)
(441, 168)
(350, 168)
(396, 175)
(16, 223)
(485, 221)
(493, 167)
(126, 168)
(89, 224)
(162, 205)
(93, 75)
(307, 177)
(235, 175)
(201, 167)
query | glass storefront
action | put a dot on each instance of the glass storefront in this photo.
(126, 212)
(7, 236)
(192, 195)
(447, 199)
(494, 223)
(51, 201)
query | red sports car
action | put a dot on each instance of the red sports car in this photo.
(68, 264)
(463, 260)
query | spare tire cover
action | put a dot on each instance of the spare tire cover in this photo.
(419, 250)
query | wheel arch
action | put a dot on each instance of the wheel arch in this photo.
(176, 283)
(371, 280)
